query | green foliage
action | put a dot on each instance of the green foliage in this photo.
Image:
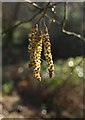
(27, 25)
(8, 86)
(70, 70)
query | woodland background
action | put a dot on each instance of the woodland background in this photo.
(58, 97)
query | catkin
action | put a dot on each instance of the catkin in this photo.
(47, 52)
(31, 47)
(37, 56)
(36, 38)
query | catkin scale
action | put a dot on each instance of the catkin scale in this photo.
(47, 52)
(31, 47)
(37, 56)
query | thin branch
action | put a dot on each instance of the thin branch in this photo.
(58, 22)
(35, 5)
(63, 25)
(43, 61)
(44, 11)
(40, 8)
(51, 5)
(20, 23)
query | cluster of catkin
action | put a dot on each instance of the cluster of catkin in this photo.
(36, 39)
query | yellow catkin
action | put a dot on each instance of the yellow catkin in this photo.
(37, 56)
(47, 52)
(36, 38)
(31, 47)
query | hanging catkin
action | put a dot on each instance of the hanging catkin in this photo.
(36, 38)
(47, 52)
(31, 47)
(37, 56)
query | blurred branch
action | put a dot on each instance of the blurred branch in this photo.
(63, 25)
(20, 23)
(51, 19)
(51, 5)
(36, 5)
(40, 8)
(44, 11)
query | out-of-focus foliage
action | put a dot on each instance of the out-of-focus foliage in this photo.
(7, 87)
(69, 69)
(59, 96)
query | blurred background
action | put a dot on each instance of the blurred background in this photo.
(60, 96)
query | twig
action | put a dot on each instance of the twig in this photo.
(35, 5)
(20, 23)
(43, 60)
(44, 12)
(50, 6)
(63, 25)
(58, 22)
(40, 8)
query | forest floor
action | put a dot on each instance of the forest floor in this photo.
(69, 101)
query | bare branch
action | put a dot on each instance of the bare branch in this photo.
(43, 61)
(44, 11)
(20, 23)
(58, 22)
(40, 8)
(51, 4)
(35, 5)
(63, 25)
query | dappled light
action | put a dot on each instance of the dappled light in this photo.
(43, 69)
